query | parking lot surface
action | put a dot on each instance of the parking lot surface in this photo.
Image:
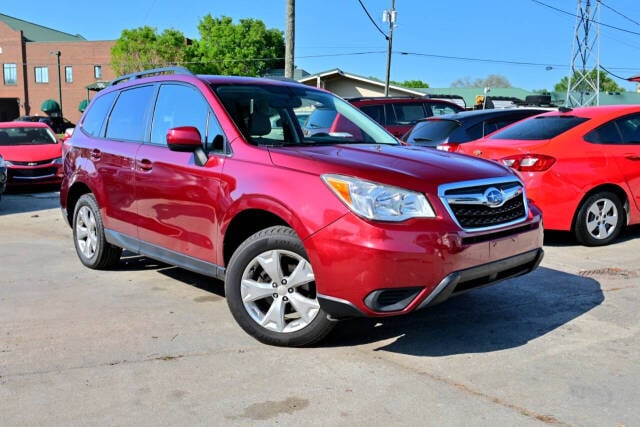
(149, 344)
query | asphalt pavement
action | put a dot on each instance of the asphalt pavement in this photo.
(150, 344)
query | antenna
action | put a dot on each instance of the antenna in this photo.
(584, 81)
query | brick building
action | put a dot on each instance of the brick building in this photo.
(31, 56)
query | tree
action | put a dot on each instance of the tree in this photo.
(606, 83)
(412, 83)
(142, 48)
(247, 48)
(492, 80)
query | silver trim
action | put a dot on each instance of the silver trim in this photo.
(482, 199)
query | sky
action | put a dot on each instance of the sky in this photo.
(530, 42)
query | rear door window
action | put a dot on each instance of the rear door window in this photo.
(130, 115)
(539, 128)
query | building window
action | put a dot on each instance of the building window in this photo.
(97, 71)
(42, 74)
(68, 74)
(10, 74)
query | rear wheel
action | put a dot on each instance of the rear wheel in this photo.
(599, 220)
(88, 236)
(270, 289)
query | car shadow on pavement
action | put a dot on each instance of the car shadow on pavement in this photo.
(503, 316)
(29, 199)
(565, 238)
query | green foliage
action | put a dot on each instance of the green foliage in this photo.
(606, 83)
(143, 48)
(412, 84)
(247, 48)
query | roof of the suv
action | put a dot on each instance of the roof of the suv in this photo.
(212, 79)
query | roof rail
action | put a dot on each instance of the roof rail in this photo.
(150, 73)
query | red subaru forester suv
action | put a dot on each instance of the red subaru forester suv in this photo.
(214, 174)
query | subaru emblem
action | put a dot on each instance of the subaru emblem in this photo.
(493, 197)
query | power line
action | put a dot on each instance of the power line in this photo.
(372, 21)
(619, 13)
(589, 19)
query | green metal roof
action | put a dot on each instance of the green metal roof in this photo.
(37, 33)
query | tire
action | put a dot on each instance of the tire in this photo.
(270, 289)
(599, 220)
(88, 236)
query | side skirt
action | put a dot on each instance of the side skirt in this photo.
(164, 255)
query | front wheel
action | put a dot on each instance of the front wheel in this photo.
(88, 236)
(599, 220)
(271, 291)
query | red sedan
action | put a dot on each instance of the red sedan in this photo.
(580, 166)
(32, 153)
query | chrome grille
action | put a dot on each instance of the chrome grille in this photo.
(485, 205)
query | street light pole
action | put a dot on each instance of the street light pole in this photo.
(57, 53)
(391, 17)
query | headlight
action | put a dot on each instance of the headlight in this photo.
(378, 201)
(58, 161)
(2, 163)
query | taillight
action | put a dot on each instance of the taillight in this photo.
(447, 146)
(529, 162)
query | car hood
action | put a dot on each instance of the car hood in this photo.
(403, 166)
(30, 153)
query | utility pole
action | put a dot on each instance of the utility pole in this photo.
(389, 16)
(289, 41)
(57, 54)
(583, 88)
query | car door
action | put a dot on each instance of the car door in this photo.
(176, 198)
(620, 141)
(113, 153)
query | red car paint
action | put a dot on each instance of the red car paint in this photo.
(562, 171)
(198, 213)
(32, 153)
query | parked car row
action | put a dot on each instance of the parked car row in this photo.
(216, 175)
(580, 166)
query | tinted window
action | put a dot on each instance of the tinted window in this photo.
(180, 105)
(408, 114)
(431, 131)
(539, 128)
(376, 112)
(97, 113)
(630, 129)
(480, 129)
(128, 120)
(607, 134)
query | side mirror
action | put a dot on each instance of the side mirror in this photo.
(184, 139)
(187, 139)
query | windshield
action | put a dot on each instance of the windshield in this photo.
(539, 128)
(26, 136)
(285, 115)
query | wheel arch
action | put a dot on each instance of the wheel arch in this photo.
(611, 188)
(245, 224)
(74, 193)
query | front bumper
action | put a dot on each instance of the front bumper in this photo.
(367, 269)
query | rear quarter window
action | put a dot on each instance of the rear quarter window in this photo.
(97, 113)
(539, 128)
